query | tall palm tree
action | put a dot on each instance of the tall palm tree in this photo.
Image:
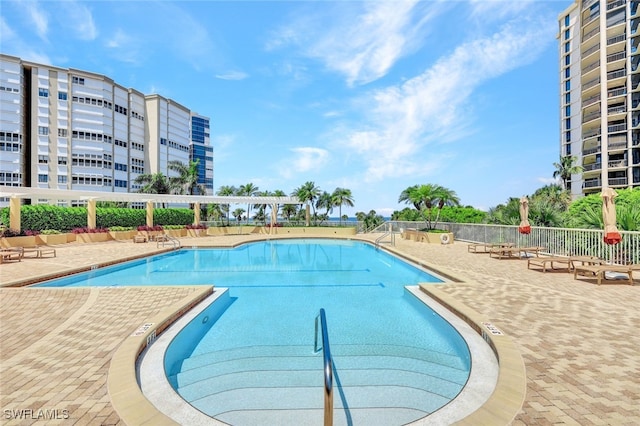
(342, 197)
(289, 210)
(446, 197)
(187, 180)
(325, 201)
(248, 190)
(307, 193)
(153, 183)
(565, 168)
(405, 196)
(227, 191)
(424, 197)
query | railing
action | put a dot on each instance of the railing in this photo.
(616, 74)
(591, 116)
(590, 19)
(590, 151)
(591, 133)
(591, 167)
(616, 39)
(589, 84)
(617, 109)
(616, 56)
(618, 163)
(618, 181)
(328, 367)
(590, 50)
(162, 239)
(590, 67)
(590, 34)
(558, 241)
(591, 100)
(616, 92)
(387, 234)
(593, 183)
(586, 4)
(615, 4)
(616, 128)
(617, 145)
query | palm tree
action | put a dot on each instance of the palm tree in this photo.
(307, 193)
(187, 180)
(405, 196)
(325, 201)
(446, 197)
(248, 190)
(227, 191)
(153, 183)
(237, 214)
(342, 197)
(565, 168)
(289, 210)
(423, 197)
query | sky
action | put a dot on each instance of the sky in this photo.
(374, 96)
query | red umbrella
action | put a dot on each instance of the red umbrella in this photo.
(611, 234)
(524, 227)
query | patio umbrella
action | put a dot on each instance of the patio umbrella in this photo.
(525, 227)
(611, 234)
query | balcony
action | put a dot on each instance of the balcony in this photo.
(617, 56)
(591, 116)
(590, 34)
(617, 181)
(591, 83)
(613, 146)
(591, 151)
(617, 74)
(592, 183)
(616, 109)
(591, 167)
(616, 39)
(591, 67)
(591, 100)
(618, 163)
(615, 4)
(591, 50)
(588, 3)
(619, 91)
(617, 128)
(586, 21)
(591, 133)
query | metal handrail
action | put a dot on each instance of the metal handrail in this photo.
(168, 239)
(328, 367)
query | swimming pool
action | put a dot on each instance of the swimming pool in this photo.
(395, 359)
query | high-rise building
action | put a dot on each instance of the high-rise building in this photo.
(71, 129)
(202, 151)
(600, 93)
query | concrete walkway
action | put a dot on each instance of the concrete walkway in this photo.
(579, 341)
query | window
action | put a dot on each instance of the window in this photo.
(567, 60)
(567, 98)
(43, 159)
(567, 85)
(567, 136)
(42, 92)
(567, 47)
(568, 149)
(62, 179)
(43, 178)
(78, 80)
(62, 96)
(62, 161)
(566, 34)
(567, 111)
(567, 72)
(566, 21)
(43, 130)
(567, 123)
(62, 133)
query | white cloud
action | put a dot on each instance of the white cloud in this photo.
(403, 119)
(19, 47)
(38, 17)
(362, 41)
(79, 19)
(497, 9)
(232, 75)
(304, 159)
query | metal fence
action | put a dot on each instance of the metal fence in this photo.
(558, 241)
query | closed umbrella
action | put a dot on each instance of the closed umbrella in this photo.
(611, 234)
(525, 227)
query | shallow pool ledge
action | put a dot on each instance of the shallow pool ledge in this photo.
(508, 397)
(127, 398)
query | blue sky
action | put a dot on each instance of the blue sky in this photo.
(373, 96)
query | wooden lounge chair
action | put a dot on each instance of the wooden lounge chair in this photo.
(569, 261)
(514, 252)
(599, 271)
(38, 251)
(13, 254)
(485, 247)
(139, 239)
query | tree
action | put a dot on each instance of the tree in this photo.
(370, 220)
(324, 201)
(445, 197)
(405, 197)
(226, 191)
(307, 193)
(187, 180)
(237, 214)
(289, 210)
(153, 183)
(423, 198)
(565, 168)
(248, 190)
(342, 197)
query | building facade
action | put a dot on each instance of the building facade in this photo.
(600, 93)
(73, 129)
(202, 151)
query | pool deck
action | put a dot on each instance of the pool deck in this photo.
(579, 341)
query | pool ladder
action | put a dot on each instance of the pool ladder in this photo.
(168, 239)
(388, 233)
(328, 366)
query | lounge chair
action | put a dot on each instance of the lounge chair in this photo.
(39, 251)
(569, 261)
(485, 247)
(514, 252)
(139, 239)
(599, 271)
(13, 254)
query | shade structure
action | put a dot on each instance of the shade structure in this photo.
(611, 234)
(525, 227)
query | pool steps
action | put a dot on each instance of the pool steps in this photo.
(286, 382)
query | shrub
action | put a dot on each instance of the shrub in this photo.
(31, 233)
(50, 232)
(10, 233)
(120, 228)
(198, 226)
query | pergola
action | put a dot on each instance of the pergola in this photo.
(16, 194)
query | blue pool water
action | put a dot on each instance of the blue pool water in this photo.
(390, 350)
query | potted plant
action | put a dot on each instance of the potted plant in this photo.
(199, 230)
(52, 236)
(91, 235)
(13, 238)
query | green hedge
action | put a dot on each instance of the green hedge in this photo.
(39, 217)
